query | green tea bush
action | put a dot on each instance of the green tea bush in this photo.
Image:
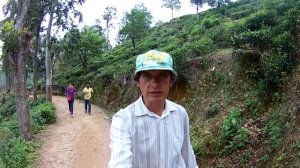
(285, 43)
(210, 22)
(204, 46)
(17, 154)
(275, 66)
(260, 19)
(259, 39)
(241, 14)
(220, 36)
(43, 114)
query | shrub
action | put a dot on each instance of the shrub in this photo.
(260, 19)
(210, 22)
(204, 46)
(43, 114)
(259, 39)
(232, 135)
(285, 43)
(18, 154)
(8, 106)
(40, 100)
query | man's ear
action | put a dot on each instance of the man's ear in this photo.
(137, 84)
(171, 84)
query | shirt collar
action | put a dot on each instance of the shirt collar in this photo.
(141, 108)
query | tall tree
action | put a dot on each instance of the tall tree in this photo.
(198, 4)
(17, 43)
(82, 46)
(217, 3)
(36, 13)
(135, 24)
(108, 15)
(59, 12)
(172, 4)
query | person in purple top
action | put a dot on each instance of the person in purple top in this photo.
(70, 92)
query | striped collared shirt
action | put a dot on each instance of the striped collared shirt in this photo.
(142, 139)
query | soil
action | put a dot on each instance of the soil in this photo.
(81, 141)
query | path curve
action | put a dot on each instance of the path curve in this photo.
(81, 141)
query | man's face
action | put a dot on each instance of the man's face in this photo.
(154, 85)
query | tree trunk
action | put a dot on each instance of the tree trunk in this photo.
(18, 57)
(107, 34)
(48, 58)
(9, 77)
(197, 12)
(34, 86)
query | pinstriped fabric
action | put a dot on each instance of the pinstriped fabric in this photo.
(141, 139)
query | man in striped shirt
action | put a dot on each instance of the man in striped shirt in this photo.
(152, 132)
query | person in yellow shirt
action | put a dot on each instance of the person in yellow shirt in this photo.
(87, 91)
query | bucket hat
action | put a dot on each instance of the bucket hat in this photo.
(154, 60)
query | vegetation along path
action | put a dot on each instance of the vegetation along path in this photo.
(81, 141)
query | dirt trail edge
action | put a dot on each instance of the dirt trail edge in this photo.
(81, 141)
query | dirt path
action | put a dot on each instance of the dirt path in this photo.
(81, 141)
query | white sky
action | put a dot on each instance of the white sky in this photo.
(94, 9)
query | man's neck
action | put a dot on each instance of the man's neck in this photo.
(155, 107)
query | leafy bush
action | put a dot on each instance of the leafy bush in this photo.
(43, 114)
(275, 67)
(241, 14)
(232, 134)
(220, 36)
(204, 46)
(213, 109)
(17, 153)
(253, 106)
(40, 100)
(8, 106)
(12, 125)
(285, 43)
(210, 22)
(260, 19)
(259, 39)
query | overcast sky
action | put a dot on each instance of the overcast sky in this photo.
(93, 9)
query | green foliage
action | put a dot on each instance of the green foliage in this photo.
(204, 46)
(285, 43)
(204, 143)
(252, 106)
(259, 39)
(172, 4)
(232, 134)
(260, 19)
(275, 125)
(8, 106)
(42, 114)
(210, 22)
(213, 109)
(40, 100)
(17, 153)
(274, 131)
(276, 65)
(220, 36)
(136, 23)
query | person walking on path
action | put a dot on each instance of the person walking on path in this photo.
(152, 131)
(70, 92)
(87, 91)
